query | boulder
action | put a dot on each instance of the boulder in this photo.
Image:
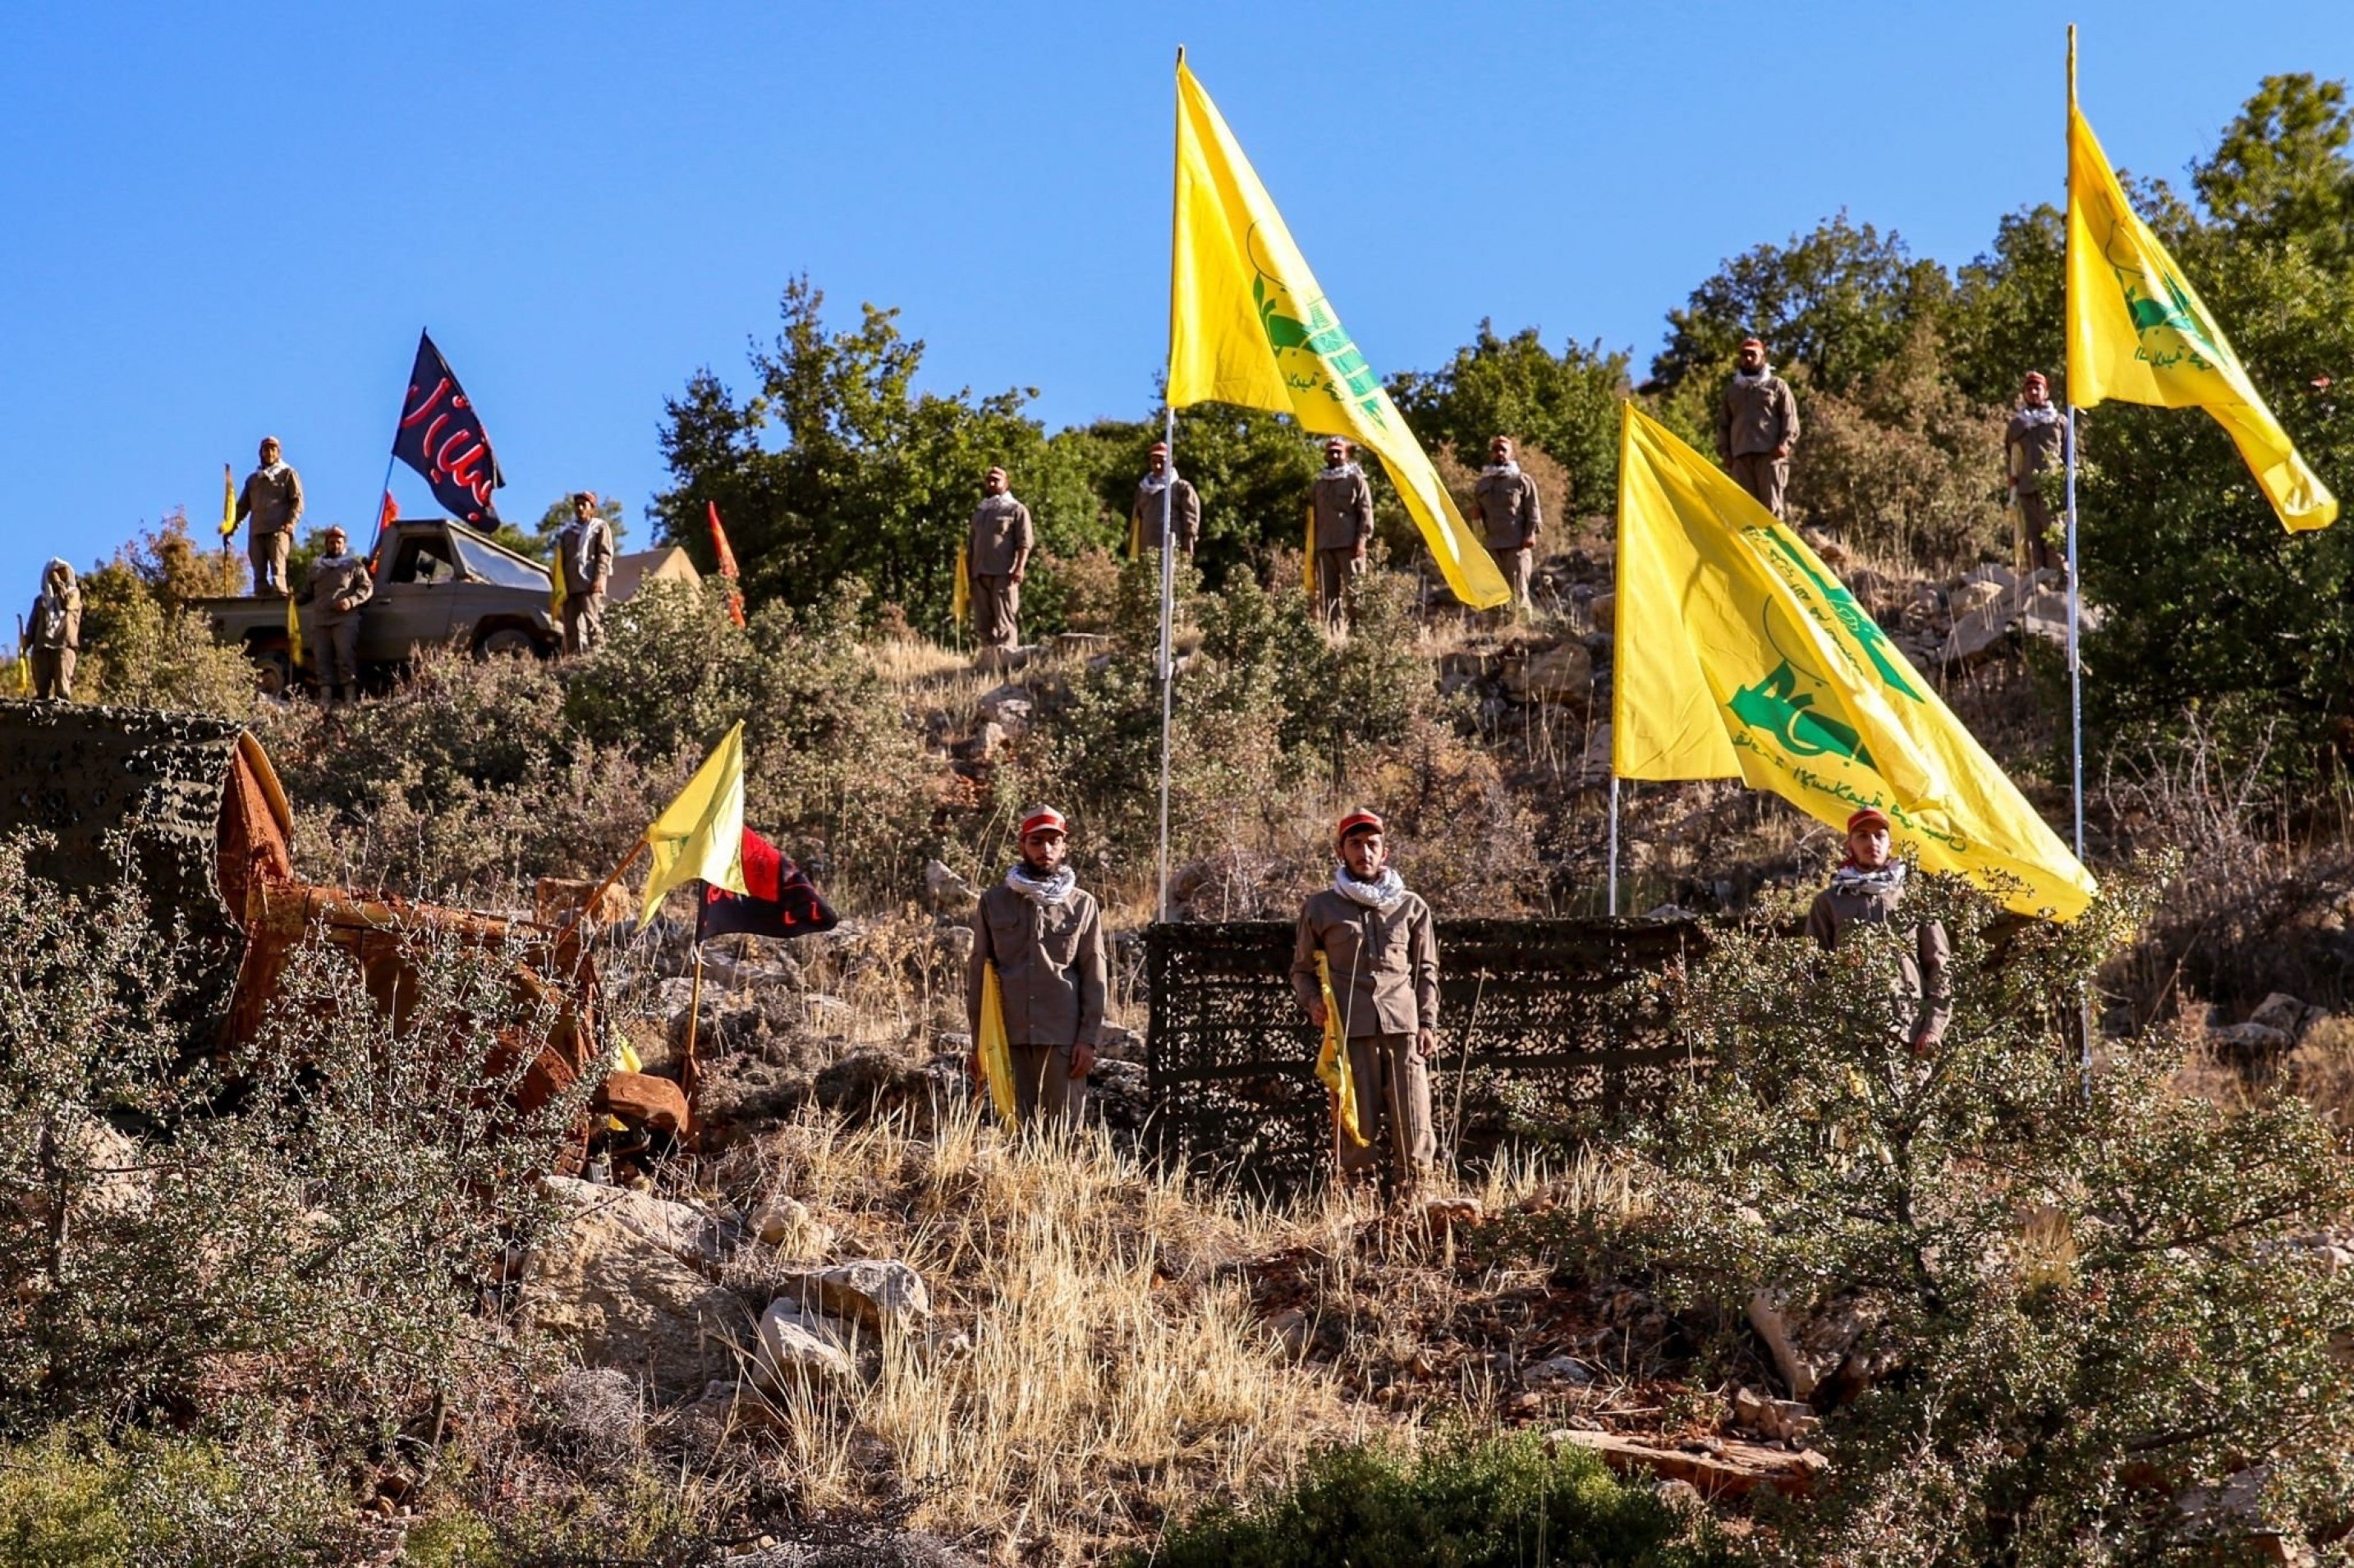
(981, 745)
(797, 1346)
(1118, 1093)
(2284, 1012)
(1603, 608)
(955, 943)
(944, 889)
(1081, 644)
(827, 1015)
(553, 900)
(2001, 577)
(643, 1098)
(1784, 1420)
(685, 1232)
(628, 1302)
(1010, 707)
(2249, 1039)
(787, 1224)
(862, 1082)
(1555, 1372)
(872, 1292)
(1808, 1350)
(1561, 673)
(1973, 596)
(1119, 1045)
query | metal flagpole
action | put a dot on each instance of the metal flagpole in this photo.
(2076, 663)
(1168, 604)
(1614, 841)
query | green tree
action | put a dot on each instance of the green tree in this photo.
(2009, 314)
(2281, 172)
(1835, 303)
(837, 467)
(1565, 405)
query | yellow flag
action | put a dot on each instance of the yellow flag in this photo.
(293, 639)
(1739, 654)
(1135, 535)
(228, 501)
(2138, 331)
(1332, 1060)
(996, 1054)
(960, 595)
(699, 837)
(1248, 325)
(556, 584)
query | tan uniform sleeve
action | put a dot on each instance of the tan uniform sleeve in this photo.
(1363, 505)
(1303, 962)
(975, 966)
(294, 498)
(1937, 953)
(1027, 540)
(1534, 510)
(1424, 955)
(1785, 404)
(245, 499)
(1725, 424)
(1092, 980)
(1822, 925)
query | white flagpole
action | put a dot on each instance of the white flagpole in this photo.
(1614, 841)
(1168, 602)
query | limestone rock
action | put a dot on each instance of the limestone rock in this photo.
(796, 1345)
(944, 889)
(787, 1224)
(981, 745)
(1120, 1046)
(1602, 609)
(2284, 1012)
(1975, 596)
(1010, 707)
(643, 1098)
(1558, 675)
(685, 1232)
(871, 1292)
(2249, 1039)
(1808, 1350)
(628, 1302)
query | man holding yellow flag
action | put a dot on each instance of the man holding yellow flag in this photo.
(2137, 331)
(1249, 324)
(1039, 936)
(1739, 654)
(1368, 944)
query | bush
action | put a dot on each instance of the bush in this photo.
(1466, 1503)
(76, 1499)
(2080, 1300)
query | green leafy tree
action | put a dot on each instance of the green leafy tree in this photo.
(2281, 172)
(2009, 314)
(1565, 405)
(1835, 303)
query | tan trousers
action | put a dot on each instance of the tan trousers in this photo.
(1044, 1089)
(53, 670)
(996, 607)
(1393, 1084)
(584, 622)
(1515, 565)
(268, 553)
(1335, 570)
(2035, 516)
(1763, 475)
(339, 658)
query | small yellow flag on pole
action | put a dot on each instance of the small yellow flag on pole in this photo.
(293, 638)
(2138, 331)
(1249, 324)
(996, 1054)
(556, 586)
(1308, 556)
(1332, 1060)
(960, 595)
(699, 837)
(1739, 654)
(228, 503)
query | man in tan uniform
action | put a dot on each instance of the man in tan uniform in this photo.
(1378, 942)
(1044, 934)
(337, 585)
(1756, 425)
(999, 557)
(272, 497)
(2034, 443)
(53, 633)
(584, 553)
(1866, 889)
(1342, 505)
(1158, 491)
(1509, 516)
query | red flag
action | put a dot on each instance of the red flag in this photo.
(727, 562)
(779, 899)
(386, 516)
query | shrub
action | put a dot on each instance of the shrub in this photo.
(1466, 1503)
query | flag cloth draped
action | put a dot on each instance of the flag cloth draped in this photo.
(2138, 331)
(996, 1054)
(727, 559)
(700, 835)
(293, 636)
(1248, 325)
(960, 595)
(1740, 654)
(440, 436)
(777, 900)
(1332, 1060)
(228, 503)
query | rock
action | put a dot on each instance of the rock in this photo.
(982, 745)
(2001, 577)
(685, 1232)
(554, 898)
(787, 1224)
(2249, 1039)
(1826, 547)
(944, 889)
(827, 1015)
(1443, 1214)
(1120, 1046)
(797, 1346)
(1559, 673)
(643, 1098)
(1119, 1096)
(1783, 1420)
(1603, 608)
(1721, 1470)
(955, 943)
(1810, 1349)
(1081, 644)
(1975, 596)
(1556, 1370)
(1010, 707)
(862, 1083)
(626, 1301)
(2284, 1012)
(871, 1292)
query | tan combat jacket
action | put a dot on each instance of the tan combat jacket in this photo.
(1384, 967)
(1050, 967)
(1923, 980)
(1001, 533)
(584, 551)
(2034, 446)
(1185, 516)
(56, 621)
(1344, 508)
(1755, 416)
(1510, 515)
(273, 496)
(338, 585)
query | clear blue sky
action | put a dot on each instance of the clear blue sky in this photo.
(226, 221)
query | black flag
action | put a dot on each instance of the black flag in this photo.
(779, 899)
(440, 436)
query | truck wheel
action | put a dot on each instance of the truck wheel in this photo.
(507, 642)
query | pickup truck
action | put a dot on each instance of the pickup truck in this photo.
(436, 582)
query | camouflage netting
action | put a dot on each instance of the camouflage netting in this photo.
(101, 784)
(1548, 1026)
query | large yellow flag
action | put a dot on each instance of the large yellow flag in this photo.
(2138, 331)
(1248, 325)
(700, 835)
(1739, 653)
(1333, 1061)
(996, 1054)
